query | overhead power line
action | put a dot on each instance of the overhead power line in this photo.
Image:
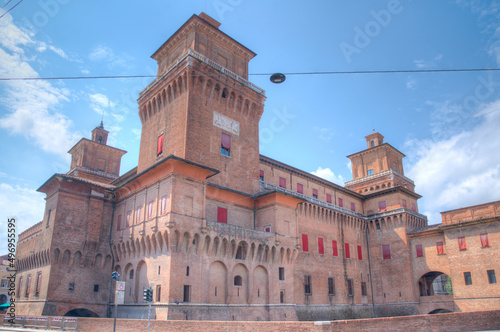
(11, 8)
(258, 74)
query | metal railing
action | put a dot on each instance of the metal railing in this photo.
(377, 175)
(316, 201)
(53, 323)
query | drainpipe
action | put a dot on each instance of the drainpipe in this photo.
(370, 269)
(112, 253)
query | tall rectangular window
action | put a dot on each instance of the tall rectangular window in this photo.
(335, 250)
(150, 210)
(413, 207)
(404, 202)
(300, 188)
(48, 218)
(39, 283)
(350, 288)
(282, 296)
(328, 198)
(331, 286)
(305, 243)
(467, 278)
(321, 248)
(127, 218)
(420, 252)
(341, 202)
(222, 215)
(261, 175)
(163, 205)
(347, 251)
(282, 182)
(307, 285)
(492, 279)
(484, 240)
(382, 206)
(369, 172)
(315, 193)
(363, 289)
(360, 253)
(158, 293)
(225, 148)
(119, 223)
(187, 293)
(159, 149)
(28, 285)
(386, 251)
(138, 215)
(281, 273)
(19, 287)
(353, 207)
(461, 243)
(440, 248)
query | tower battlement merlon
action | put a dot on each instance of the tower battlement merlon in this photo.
(201, 33)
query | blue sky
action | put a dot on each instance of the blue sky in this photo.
(446, 123)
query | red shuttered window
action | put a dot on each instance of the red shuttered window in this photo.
(382, 206)
(321, 248)
(360, 254)
(300, 188)
(225, 144)
(341, 202)
(386, 251)
(328, 198)
(305, 243)
(335, 250)
(404, 202)
(440, 248)
(420, 252)
(282, 182)
(261, 175)
(119, 223)
(129, 215)
(484, 240)
(164, 205)
(150, 210)
(315, 193)
(413, 207)
(222, 215)
(461, 243)
(159, 150)
(353, 207)
(347, 251)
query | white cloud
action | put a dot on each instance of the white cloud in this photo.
(105, 54)
(33, 104)
(26, 205)
(411, 83)
(327, 174)
(461, 170)
(324, 134)
(424, 64)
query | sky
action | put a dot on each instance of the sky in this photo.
(446, 123)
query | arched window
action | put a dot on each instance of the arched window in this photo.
(238, 281)
(372, 143)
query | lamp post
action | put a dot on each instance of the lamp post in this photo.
(116, 277)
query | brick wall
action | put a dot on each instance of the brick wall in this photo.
(470, 321)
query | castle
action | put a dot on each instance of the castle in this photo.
(221, 232)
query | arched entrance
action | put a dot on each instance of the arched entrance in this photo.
(80, 312)
(439, 311)
(435, 283)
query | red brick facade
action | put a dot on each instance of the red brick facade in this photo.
(224, 233)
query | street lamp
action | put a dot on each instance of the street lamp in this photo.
(277, 78)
